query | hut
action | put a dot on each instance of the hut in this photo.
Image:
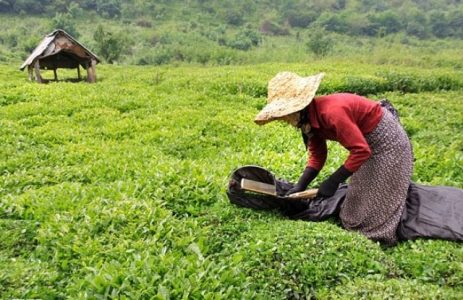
(60, 50)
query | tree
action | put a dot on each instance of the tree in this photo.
(439, 24)
(334, 22)
(109, 8)
(416, 23)
(389, 20)
(65, 22)
(456, 22)
(234, 17)
(6, 6)
(320, 43)
(109, 45)
(245, 39)
(302, 19)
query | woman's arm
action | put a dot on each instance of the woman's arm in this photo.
(317, 152)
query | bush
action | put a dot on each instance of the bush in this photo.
(301, 19)
(245, 39)
(109, 45)
(271, 28)
(109, 8)
(334, 22)
(439, 24)
(144, 23)
(240, 43)
(65, 22)
(234, 17)
(30, 44)
(320, 43)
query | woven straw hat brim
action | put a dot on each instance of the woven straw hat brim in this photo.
(287, 94)
(279, 108)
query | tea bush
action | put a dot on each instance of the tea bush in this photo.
(117, 189)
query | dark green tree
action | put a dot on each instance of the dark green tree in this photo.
(302, 19)
(439, 24)
(65, 22)
(109, 8)
(109, 45)
(320, 43)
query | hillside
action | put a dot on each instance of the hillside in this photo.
(221, 33)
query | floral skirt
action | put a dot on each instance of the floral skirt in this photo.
(377, 191)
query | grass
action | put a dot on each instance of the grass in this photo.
(117, 189)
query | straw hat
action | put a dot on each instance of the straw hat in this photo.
(288, 93)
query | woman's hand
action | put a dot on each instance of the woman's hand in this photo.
(306, 178)
(329, 187)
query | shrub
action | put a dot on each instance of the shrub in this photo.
(30, 44)
(159, 56)
(144, 23)
(320, 43)
(65, 22)
(109, 8)
(334, 22)
(109, 45)
(245, 39)
(233, 17)
(301, 19)
(271, 28)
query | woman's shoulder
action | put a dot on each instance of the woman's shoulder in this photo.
(340, 96)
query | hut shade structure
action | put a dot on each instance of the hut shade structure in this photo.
(60, 50)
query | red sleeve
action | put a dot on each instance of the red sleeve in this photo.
(317, 152)
(350, 136)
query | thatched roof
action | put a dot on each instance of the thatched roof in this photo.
(60, 50)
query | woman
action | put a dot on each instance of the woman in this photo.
(380, 161)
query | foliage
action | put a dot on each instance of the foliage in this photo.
(109, 45)
(272, 28)
(65, 22)
(437, 18)
(320, 43)
(117, 189)
(301, 18)
(245, 39)
(212, 32)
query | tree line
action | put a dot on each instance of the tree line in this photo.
(420, 18)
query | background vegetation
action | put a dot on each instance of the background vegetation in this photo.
(239, 32)
(117, 189)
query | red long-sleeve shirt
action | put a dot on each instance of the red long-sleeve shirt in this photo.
(345, 118)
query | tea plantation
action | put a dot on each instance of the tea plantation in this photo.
(117, 189)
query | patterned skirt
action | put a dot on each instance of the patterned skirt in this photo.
(377, 191)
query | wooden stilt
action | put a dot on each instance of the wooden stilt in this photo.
(55, 74)
(31, 75)
(38, 78)
(78, 72)
(89, 72)
(93, 67)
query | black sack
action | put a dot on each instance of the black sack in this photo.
(430, 212)
(317, 209)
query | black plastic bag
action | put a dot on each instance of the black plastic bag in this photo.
(430, 212)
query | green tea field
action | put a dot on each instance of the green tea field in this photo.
(116, 190)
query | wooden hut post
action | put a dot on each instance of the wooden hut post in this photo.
(38, 78)
(55, 74)
(93, 66)
(89, 76)
(31, 75)
(78, 72)
(91, 73)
